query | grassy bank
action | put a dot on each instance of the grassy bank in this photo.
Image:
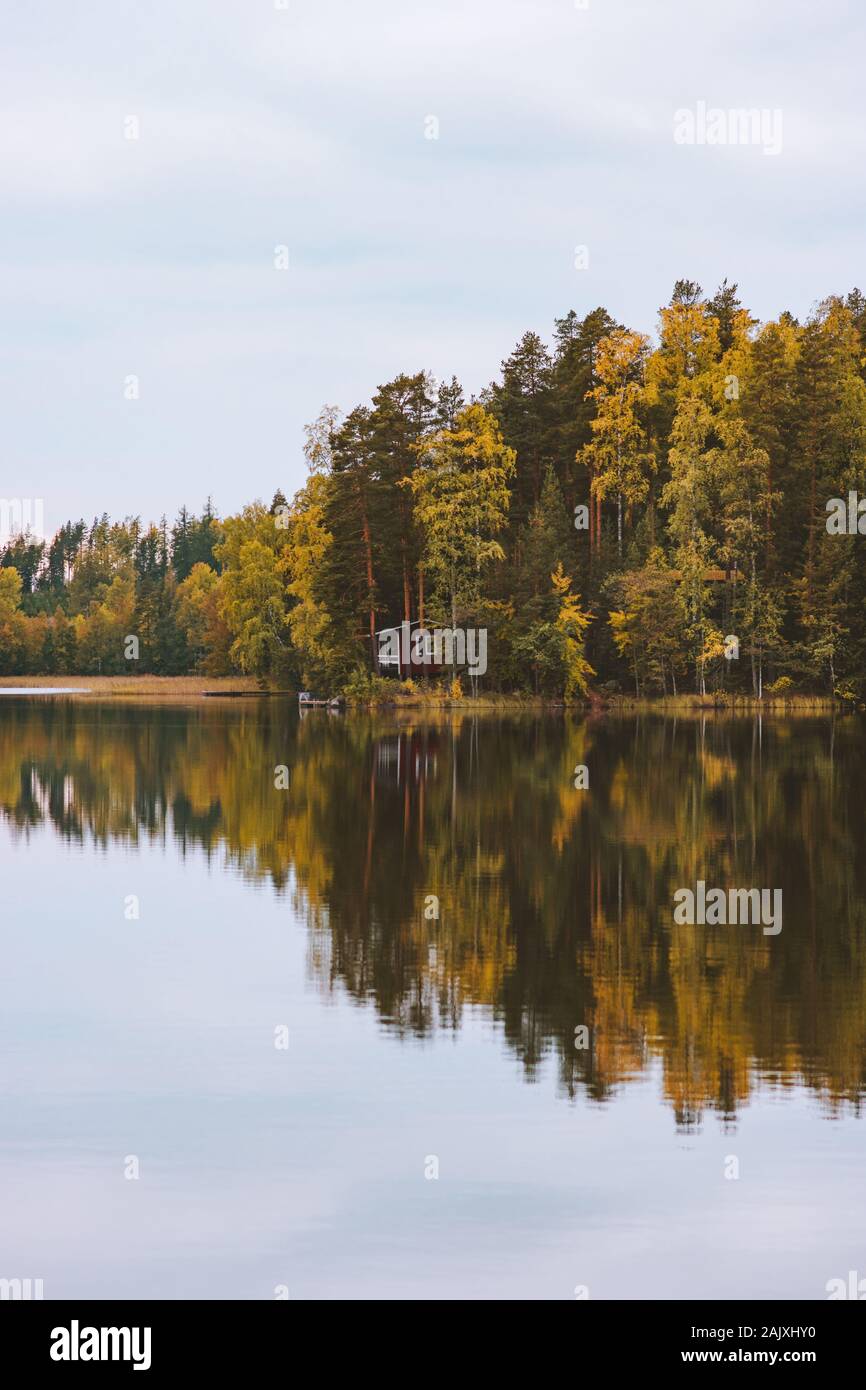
(734, 704)
(443, 699)
(149, 687)
(391, 695)
(611, 705)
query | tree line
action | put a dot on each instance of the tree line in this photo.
(620, 515)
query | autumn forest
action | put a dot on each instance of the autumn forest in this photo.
(612, 510)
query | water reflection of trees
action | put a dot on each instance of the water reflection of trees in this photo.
(555, 903)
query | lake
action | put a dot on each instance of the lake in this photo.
(341, 1006)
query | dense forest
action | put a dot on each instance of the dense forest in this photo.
(612, 511)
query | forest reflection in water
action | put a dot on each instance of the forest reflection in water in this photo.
(555, 903)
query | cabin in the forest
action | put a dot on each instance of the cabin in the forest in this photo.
(407, 650)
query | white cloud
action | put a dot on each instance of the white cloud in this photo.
(305, 127)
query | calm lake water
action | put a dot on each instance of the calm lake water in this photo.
(305, 916)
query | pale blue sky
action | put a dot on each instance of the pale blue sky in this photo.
(305, 126)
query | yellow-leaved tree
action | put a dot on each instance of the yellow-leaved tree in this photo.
(321, 652)
(253, 591)
(461, 498)
(199, 617)
(572, 622)
(619, 459)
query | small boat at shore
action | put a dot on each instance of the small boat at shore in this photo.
(308, 701)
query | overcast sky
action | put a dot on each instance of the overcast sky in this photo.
(306, 127)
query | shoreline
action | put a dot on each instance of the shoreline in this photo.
(132, 687)
(196, 688)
